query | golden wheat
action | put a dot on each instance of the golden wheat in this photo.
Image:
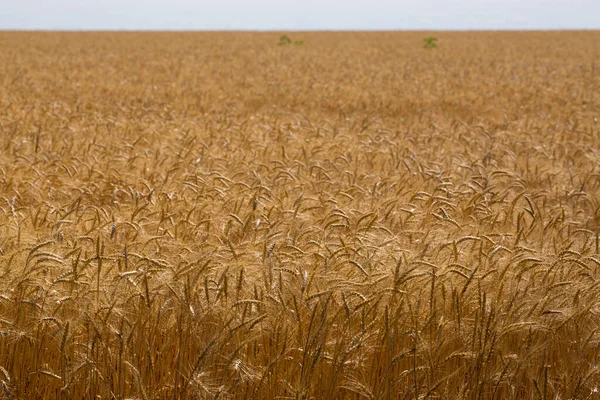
(210, 215)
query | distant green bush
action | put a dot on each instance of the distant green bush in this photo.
(430, 42)
(285, 40)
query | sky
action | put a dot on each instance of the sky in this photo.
(298, 15)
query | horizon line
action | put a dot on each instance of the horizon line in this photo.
(276, 30)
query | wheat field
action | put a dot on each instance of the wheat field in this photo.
(211, 215)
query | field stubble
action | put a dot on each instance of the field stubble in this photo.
(210, 215)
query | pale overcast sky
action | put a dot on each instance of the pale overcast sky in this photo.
(298, 15)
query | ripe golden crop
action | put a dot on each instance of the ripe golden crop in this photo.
(212, 215)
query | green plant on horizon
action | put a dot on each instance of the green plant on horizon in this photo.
(284, 40)
(430, 42)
